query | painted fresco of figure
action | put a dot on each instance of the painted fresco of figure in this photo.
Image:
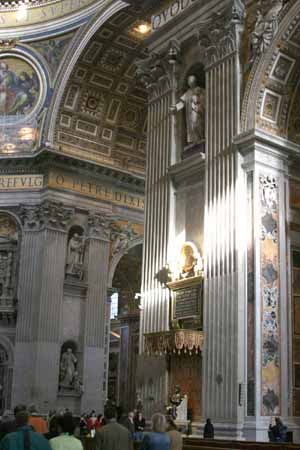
(193, 101)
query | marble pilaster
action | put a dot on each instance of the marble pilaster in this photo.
(223, 352)
(42, 264)
(95, 359)
(159, 75)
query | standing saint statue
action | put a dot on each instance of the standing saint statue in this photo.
(193, 100)
(67, 369)
(75, 255)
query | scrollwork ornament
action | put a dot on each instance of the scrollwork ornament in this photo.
(99, 226)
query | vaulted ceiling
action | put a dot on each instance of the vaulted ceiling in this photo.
(103, 114)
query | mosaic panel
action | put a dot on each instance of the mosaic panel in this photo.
(53, 50)
(270, 288)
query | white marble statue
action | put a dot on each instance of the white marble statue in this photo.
(193, 101)
(75, 254)
(67, 368)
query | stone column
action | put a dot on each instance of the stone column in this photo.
(158, 74)
(42, 268)
(224, 297)
(266, 166)
(94, 381)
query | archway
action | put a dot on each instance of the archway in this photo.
(125, 329)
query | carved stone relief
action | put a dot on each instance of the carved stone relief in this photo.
(8, 267)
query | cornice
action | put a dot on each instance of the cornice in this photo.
(187, 168)
(46, 159)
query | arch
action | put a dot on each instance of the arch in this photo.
(272, 80)
(14, 216)
(75, 51)
(116, 258)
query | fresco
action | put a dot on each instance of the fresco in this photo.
(53, 49)
(270, 289)
(19, 87)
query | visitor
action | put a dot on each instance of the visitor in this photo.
(277, 431)
(157, 439)
(53, 427)
(36, 421)
(209, 430)
(175, 435)
(8, 422)
(66, 439)
(24, 438)
(92, 423)
(139, 425)
(128, 422)
(112, 436)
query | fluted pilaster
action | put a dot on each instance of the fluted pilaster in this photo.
(95, 313)
(221, 325)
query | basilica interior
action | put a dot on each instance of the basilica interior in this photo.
(150, 209)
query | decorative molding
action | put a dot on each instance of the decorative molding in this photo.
(47, 215)
(186, 341)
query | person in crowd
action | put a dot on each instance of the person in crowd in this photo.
(277, 431)
(53, 427)
(92, 423)
(112, 436)
(66, 439)
(8, 423)
(209, 431)
(139, 425)
(175, 435)
(24, 438)
(36, 421)
(128, 422)
(83, 425)
(157, 439)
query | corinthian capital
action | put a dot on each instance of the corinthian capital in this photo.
(219, 37)
(99, 226)
(157, 72)
(47, 215)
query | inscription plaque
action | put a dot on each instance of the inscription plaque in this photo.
(187, 302)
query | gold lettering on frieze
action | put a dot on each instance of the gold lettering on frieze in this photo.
(94, 189)
(175, 8)
(21, 182)
(43, 12)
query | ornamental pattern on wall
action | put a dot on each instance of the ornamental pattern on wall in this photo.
(270, 289)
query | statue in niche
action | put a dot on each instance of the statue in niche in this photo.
(193, 100)
(67, 369)
(75, 256)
